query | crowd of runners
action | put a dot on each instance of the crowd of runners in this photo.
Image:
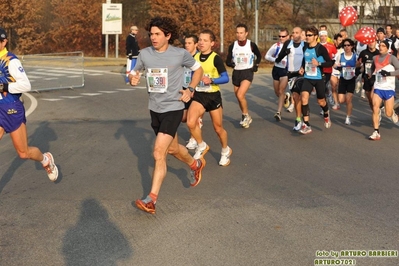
(334, 69)
(184, 84)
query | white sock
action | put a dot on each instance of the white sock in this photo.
(45, 160)
(225, 150)
(202, 145)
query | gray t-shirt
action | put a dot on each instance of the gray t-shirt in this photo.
(174, 59)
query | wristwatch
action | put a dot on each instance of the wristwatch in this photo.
(190, 88)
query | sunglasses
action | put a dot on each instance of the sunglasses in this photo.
(282, 36)
(309, 35)
(345, 45)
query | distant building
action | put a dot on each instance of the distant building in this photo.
(373, 9)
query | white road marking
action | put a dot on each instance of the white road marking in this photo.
(90, 94)
(45, 73)
(107, 91)
(51, 99)
(126, 89)
(71, 97)
(33, 105)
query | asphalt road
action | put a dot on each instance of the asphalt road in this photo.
(284, 199)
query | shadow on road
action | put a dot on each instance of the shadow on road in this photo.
(94, 240)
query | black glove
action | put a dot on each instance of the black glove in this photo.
(255, 68)
(130, 56)
(292, 74)
(287, 51)
(384, 73)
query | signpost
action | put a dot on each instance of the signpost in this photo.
(112, 24)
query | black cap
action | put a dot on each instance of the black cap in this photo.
(386, 42)
(381, 30)
(3, 34)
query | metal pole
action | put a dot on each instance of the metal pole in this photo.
(106, 45)
(256, 20)
(116, 45)
(221, 27)
(106, 37)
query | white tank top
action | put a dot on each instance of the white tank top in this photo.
(243, 56)
(295, 57)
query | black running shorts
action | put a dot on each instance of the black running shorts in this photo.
(240, 75)
(346, 85)
(166, 122)
(210, 101)
(318, 84)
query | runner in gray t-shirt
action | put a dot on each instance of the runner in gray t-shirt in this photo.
(163, 66)
(173, 59)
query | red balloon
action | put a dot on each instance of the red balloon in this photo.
(366, 35)
(348, 16)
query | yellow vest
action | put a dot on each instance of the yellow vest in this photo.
(209, 69)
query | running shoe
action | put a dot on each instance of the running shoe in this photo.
(336, 107)
(287, 99)
(348, 121)
(395, 119)
(290, 108)
(242, 119)
(375, 136)
(305, 129)
(225, 158)
(146, 205)
(363, 94)
(247, 120)
(200, 152)
(196, 175)
(192, 144)
(327, 122)
(298, 125)
(277, 116)
(51, 168)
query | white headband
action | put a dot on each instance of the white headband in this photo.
(323, 32)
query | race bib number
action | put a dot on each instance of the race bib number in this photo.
(186, 77)
(348, 72)
(157, 80)
(202, 87)
(379, 78)
(241, 58)
(310, 69)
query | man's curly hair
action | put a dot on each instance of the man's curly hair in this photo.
(166, 25)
